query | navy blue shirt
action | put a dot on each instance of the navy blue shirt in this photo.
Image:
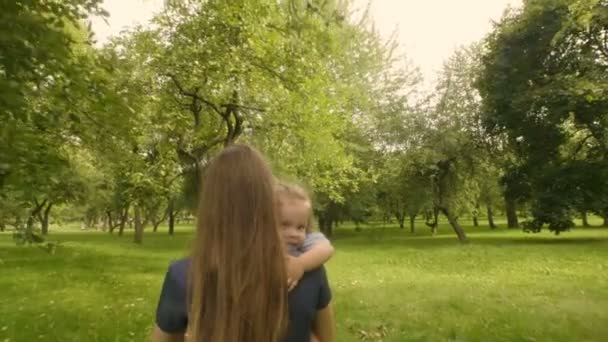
(311, 295)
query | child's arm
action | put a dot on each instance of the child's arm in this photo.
(317, 250)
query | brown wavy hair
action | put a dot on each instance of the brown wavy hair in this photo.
(238, 281)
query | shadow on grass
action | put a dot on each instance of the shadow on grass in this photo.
(543, 241)
(396, 238)
(87, 246)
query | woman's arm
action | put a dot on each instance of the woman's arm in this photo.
(160, 336)
(324, 327)
(172, 311)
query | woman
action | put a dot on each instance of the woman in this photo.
(233, 288)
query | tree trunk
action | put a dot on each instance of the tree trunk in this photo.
(412, 224)
(29, 229)
(476, 215)
(326, 225)
(511, 209)
(37, 213)
(171, 212)
(329, 229)
(321, 220)
(18, 220)
(110, 223)
(156, 221)
(139, 226)
(436, 218)
(585, 220)
(491, 217)
(605, 224)
(455, 225)
(432, 215)
(30, 225)
(44, 219)
(401, 219)
(123, 220)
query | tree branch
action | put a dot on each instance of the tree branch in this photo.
(581, 145)
(257, 109)
(193, 95)
(285, 32)
(286, 82)
(38, 208)
(201, 150)
(185, 156)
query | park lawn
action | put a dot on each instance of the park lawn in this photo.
(388, 285)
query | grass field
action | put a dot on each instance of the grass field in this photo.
(388, 286)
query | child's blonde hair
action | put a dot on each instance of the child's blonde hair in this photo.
(295, 192)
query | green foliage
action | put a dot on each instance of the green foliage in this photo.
(61, 110)
(434, 158)
(35, 47)
(279, 75)
(129, 127)
(403, 188)
(544, 85)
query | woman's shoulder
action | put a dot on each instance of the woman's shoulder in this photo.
(178, 271)
(313, 280)
(180, 264)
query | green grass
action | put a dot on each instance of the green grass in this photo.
(504, 286)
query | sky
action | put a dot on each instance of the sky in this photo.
(427, 31)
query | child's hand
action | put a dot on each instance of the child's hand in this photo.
(295, 271)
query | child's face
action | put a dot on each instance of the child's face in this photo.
(294, 220)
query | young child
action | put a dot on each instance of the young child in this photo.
(307, 250)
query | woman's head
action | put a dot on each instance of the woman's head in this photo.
(238, 280)
(295, 212)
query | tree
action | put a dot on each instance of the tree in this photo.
(57, 100)
(402, 189)
(453, 140)
(550, 58)
(488, 177)
(187, 95)
(36, 47)
(242, 80)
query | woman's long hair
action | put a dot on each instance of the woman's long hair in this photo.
(238, 281)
